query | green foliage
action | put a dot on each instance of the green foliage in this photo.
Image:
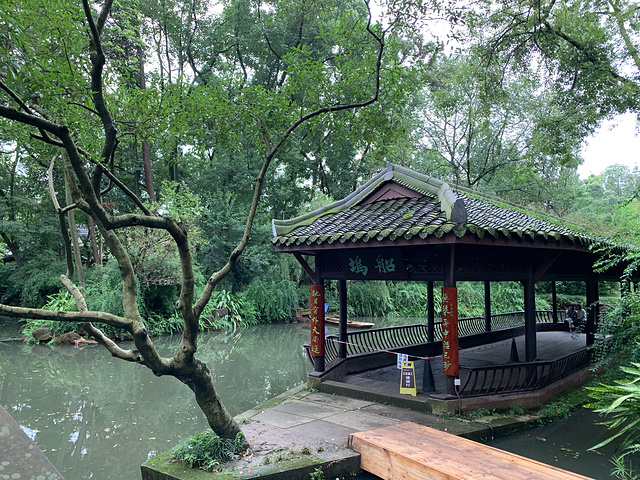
(369, 299)
(317, 474)
(619, 328)
(409, 299)
(33, 283)
(619, 403)
(555, 410)
(207, 451)
(273, 299)
(480, 412)
(516, 410)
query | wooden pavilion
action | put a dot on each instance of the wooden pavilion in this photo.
(406, 226)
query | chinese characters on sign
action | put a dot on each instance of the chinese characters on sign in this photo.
(408, 379)
(450, 364)
(356, 266)
(385, 265)
(401, 357)
(317, 320)
(369, 264)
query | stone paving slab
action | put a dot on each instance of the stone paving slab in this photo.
(307, 409)
(20, 458)
(280, 419)
(337, 401)
(321, 430)
(362, 421)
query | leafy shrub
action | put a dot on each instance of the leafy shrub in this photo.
(207, 450)
(409, 298)
(272, 300)
(31, 284)
(369, 299)
(555, 411)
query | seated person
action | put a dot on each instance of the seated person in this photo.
(580, 316)
(570, 317)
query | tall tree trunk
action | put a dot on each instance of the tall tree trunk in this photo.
(146, 149)
(73, 230)
(10, 241)
(97, 254)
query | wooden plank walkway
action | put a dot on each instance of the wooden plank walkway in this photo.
(410, 451)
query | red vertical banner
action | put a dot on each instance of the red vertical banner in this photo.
(317, 320)
(450, 358)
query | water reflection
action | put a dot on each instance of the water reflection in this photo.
(98, 417)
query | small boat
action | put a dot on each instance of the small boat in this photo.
(350, 323)
(302, 315)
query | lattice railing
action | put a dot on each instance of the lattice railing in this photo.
(363, 342)
(518, 377)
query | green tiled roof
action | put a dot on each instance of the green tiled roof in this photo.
(439, 211)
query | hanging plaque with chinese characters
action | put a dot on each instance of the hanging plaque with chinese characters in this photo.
(373, 264)
(317, 320)
(450, 361)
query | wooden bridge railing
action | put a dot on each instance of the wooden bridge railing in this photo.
(519, 377)
(364, 342)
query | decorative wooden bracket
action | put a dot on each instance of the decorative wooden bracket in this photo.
(305, 266)
(542, 269)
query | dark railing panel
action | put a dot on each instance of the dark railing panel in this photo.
(519, 376)
(362, 342)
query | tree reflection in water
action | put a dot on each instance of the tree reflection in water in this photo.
(98, 417)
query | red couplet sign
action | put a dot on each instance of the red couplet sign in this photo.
(450, 360)
(317, 320)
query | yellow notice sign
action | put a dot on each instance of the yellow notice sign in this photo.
(408, 379)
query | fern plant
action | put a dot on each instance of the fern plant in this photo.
(620, 405)
(207, 450)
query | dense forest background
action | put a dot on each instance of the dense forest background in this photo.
(492, 99)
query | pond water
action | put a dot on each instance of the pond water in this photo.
(565, 444)
(98, 417)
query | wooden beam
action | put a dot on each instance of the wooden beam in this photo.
(487, 306)
(543, 267)
(305, 266)
(430, 312)
(342, 326)
(530, 316)
(554, 301)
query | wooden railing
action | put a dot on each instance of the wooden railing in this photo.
(365, 342)
(519, 377)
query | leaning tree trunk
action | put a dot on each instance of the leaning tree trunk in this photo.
(220, 420)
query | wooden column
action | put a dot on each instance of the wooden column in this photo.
(342, 328)
(554, 301)
(530, 316)
(487, 306)
(316, 323)
(592, 306)
(450, 349)
(430, 312)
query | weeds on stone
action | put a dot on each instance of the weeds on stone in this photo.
(317, 474)
(207, 450)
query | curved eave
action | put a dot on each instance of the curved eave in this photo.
(431, 233)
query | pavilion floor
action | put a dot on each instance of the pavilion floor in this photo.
(383, 384)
